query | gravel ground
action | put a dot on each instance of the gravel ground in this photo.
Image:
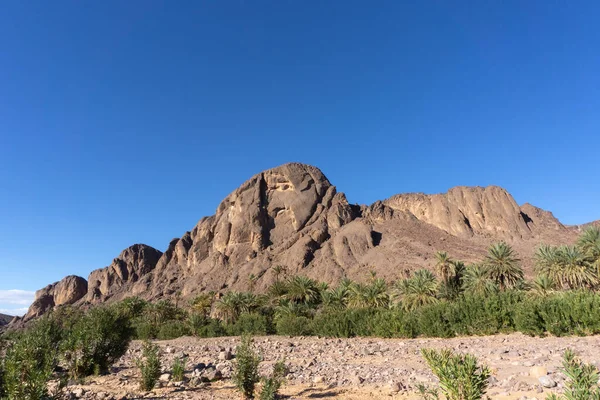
(358, 368)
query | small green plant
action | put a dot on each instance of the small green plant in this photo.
(149, 366)
(460, 375)
(272, 383)
(582, 379)
(245, 372)
(428, 393)
(179, 369)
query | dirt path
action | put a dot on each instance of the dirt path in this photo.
(359, 368)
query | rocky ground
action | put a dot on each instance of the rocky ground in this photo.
(523, 367)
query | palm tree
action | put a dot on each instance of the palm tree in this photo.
(417, 291)
(548, 262)
(542, 286)
(503, 265)
(203, 303)
(303, 290)
(277, 290)
(575, 271)
(228, 307)
(566, 265)
(337, 298)
(444, 266)
(589, 243)
(477, 281)
(372, 295)
(234, 304)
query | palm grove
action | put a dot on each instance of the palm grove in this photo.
(483, 298)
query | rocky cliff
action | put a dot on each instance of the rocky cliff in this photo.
(293, 216)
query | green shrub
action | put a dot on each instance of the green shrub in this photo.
(30, 360)
(245, 371)
(272, 383)
(395, 324)
(213, 328)
(144, 329)
(293, 325)
(149, 366)
(172, 330)
(528, 319)
(179, 369)
(582, 379)
(332, 324)
(461, 378)
(248, 324)
(96, 341)
(433, 321)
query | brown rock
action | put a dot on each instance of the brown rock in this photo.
(133, 263)
(294, 217)
(67, 291)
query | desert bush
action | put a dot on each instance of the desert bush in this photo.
(293, 325)
(172, 330)
(434, 322)
(30, 360)
(460, 375)
(248, 324)
(96, 341)
(149, 365)
(395, 324)
(344, 323)
(178, 369)
(245, 371)
(272, 384)
(144, 329)
(528, 319)
(212, 328)
(582, 379)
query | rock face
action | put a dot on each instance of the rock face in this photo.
(133, 262)
(467, 211)
(294, 217)
(67, 291)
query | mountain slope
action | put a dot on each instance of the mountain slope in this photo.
(293, 216)
(5, 319)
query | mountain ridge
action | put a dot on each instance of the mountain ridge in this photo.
(293, 216)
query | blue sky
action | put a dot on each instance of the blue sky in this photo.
(126, 122)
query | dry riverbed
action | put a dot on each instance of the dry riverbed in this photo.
(358, 368)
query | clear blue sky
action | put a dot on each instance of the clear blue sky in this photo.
(126, 122)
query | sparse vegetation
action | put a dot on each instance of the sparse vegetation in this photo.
(149, 366)
(460, 375)
(178, 369)
(245, 372)
(272, 384)
(582, 380)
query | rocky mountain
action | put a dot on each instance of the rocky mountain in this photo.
(293, 216)
(5, 319)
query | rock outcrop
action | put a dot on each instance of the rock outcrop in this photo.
(67, 291)
(293, 216)
(133, 263)
(467, 211)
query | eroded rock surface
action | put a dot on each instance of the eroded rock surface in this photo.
(293, 216)
(67, 291)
